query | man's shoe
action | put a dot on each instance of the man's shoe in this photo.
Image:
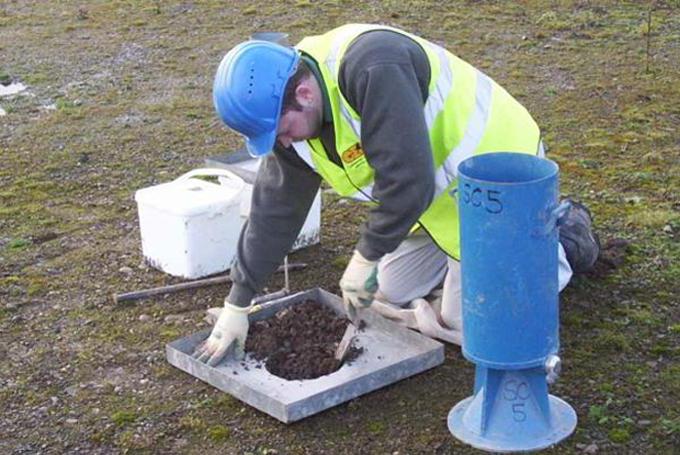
(580, 243)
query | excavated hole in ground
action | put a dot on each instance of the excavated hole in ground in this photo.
(299, 342)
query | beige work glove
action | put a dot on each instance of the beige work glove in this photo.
(230, 331)
(359, 283)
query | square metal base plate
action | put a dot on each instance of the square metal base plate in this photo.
(390, 354)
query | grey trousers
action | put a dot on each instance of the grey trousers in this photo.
(418, 266)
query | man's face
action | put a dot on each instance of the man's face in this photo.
(303, 124)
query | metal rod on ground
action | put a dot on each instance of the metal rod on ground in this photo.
(278, 294)
(136, 295)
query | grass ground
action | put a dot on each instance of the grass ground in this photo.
(119, 99)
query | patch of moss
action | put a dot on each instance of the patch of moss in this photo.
(17, 244)
(191, 423)
(219, 433)
(606, 387)
(340, 262)
(121, 418)
(662, 349)
(36, 286)
(5, 79)
(376, 427)
(598, 413)
(642, 316)
(36, 78)
(670, 426)
(552, 21)
(65, 106)
(619, 435)
(169, 333)
(611, 342)
(651, 218)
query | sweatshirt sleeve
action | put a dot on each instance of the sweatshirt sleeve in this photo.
(283, 192)
(384, 77)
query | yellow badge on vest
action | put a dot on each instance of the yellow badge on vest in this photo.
(352, 154)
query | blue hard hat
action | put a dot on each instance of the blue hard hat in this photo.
(248, 90)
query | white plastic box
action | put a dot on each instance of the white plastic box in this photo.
(190, 227)
(247, 169)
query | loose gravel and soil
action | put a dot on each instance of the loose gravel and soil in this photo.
(299, 342)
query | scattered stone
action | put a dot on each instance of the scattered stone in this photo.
(71, 390)
(668, 229)
(71, 421)
(591, 449)
(173, 319)
(126, 270)
(644, 423)
(144, 318)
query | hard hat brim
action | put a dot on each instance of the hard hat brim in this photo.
(261, 145)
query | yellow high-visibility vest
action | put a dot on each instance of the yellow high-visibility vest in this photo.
(466, 113)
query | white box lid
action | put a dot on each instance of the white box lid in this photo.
(187, 196)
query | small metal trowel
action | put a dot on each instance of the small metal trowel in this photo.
(346, 343)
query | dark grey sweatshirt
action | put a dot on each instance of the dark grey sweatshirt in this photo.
(384, 76)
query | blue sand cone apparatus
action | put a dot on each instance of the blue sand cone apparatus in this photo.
(508, 232)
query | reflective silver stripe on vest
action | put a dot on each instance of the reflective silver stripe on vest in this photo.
(474, 131)
(304, 151)
(332, 62)
(438, 96)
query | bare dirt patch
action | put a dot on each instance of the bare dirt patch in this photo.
(612, 256)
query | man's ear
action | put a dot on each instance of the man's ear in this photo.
(304, 94)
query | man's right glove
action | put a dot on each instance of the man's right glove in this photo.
(359, 283)
(230, 329)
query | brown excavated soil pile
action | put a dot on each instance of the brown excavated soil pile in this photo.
(299, 342)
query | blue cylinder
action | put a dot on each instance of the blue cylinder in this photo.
(508, 232)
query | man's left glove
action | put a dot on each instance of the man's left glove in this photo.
(359, 283)
(230, 329)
